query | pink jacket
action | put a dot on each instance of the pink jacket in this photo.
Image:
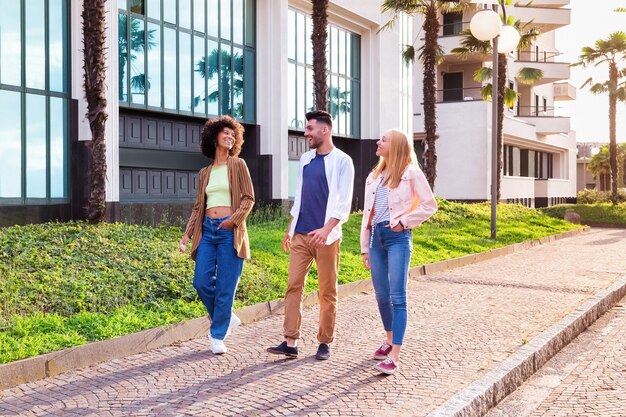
(411, 202)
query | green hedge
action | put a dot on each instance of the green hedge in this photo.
(65, 284)
(600, 213)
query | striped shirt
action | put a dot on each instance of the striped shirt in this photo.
(381, 203)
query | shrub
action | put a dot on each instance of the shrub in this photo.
(595, 196)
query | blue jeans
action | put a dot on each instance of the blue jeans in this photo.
(390, 254)
(218, 269)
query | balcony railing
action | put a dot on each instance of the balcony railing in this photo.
(453, 29)
(448, 95)
(534, 56)
(535, 111)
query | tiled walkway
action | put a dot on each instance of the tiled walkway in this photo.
(462, 323)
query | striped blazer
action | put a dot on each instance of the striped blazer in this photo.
(241, 202)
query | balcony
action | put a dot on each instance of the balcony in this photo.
(546, 19)
(450, 37)
(548, 62)
(553, 187)
(564, 91)
(543, 119)
(548, 3)
(452, 95)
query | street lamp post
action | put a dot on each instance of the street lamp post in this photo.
(487, 25)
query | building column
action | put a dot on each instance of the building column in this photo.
(272, 89)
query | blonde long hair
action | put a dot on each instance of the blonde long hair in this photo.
(401, 155)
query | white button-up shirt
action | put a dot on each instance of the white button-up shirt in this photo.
(340, 177)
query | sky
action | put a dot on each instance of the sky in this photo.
(590, 20)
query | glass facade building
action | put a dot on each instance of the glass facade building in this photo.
(34, 102)
(343, 55)
(190, 57)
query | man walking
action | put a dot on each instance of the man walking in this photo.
(323, 201)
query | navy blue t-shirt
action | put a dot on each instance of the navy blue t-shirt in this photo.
(314, 197)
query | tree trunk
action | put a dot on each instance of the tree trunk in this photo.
(94, 66)
(502, 63)
(431, 35)
(319, 35)
(613, 76)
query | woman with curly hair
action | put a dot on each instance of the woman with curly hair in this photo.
(217, 225)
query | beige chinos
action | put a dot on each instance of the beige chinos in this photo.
(302, 255)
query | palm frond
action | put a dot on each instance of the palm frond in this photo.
(587, 81)
(482, 74)
(470, 45)
(510, 97)
(485, 92)
(389, 25)
(599, 88)
(408, 54)
(529, 75)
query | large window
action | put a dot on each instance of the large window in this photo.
(193, 57)
(344, 80)
(34, 98)
(527, 163)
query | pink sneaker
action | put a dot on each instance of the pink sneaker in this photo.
(382, 352)
(387, 366)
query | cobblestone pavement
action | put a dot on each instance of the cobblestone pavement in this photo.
(587, 378)
(462, 323)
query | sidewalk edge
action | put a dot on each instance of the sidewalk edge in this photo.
(78, 357)
(485, 393)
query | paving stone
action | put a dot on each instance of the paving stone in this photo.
(462, 324)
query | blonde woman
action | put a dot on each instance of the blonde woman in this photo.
(397, 200)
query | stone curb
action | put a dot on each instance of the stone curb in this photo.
(485, 393)
(606, 225)
(55, 363)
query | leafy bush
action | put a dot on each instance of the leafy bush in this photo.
(599, 213)
(65, 284)
(587, 196)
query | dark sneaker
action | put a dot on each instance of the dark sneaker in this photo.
(382, 352)
(387, 366)
(283, 349)
(323, 352)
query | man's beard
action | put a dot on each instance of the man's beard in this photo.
(314, 143)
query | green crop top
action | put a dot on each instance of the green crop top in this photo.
(218, 190)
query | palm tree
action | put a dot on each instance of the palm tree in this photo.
(600, 167)
(506, 97)
(94, 66)
(319, 36)
(219, 63)
(430, 54)
(610, 51)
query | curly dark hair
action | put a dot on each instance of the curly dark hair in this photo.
(208, 136)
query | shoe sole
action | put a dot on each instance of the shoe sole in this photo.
(322, 358)
(280, 352)
(386, 371)
(380, 357)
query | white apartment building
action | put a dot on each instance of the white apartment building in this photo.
(539, 147)
(171, 64)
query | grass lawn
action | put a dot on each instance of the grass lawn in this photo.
(604, 213)
(66, 284)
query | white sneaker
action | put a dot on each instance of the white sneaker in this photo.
(217, 346)
(234, 322)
